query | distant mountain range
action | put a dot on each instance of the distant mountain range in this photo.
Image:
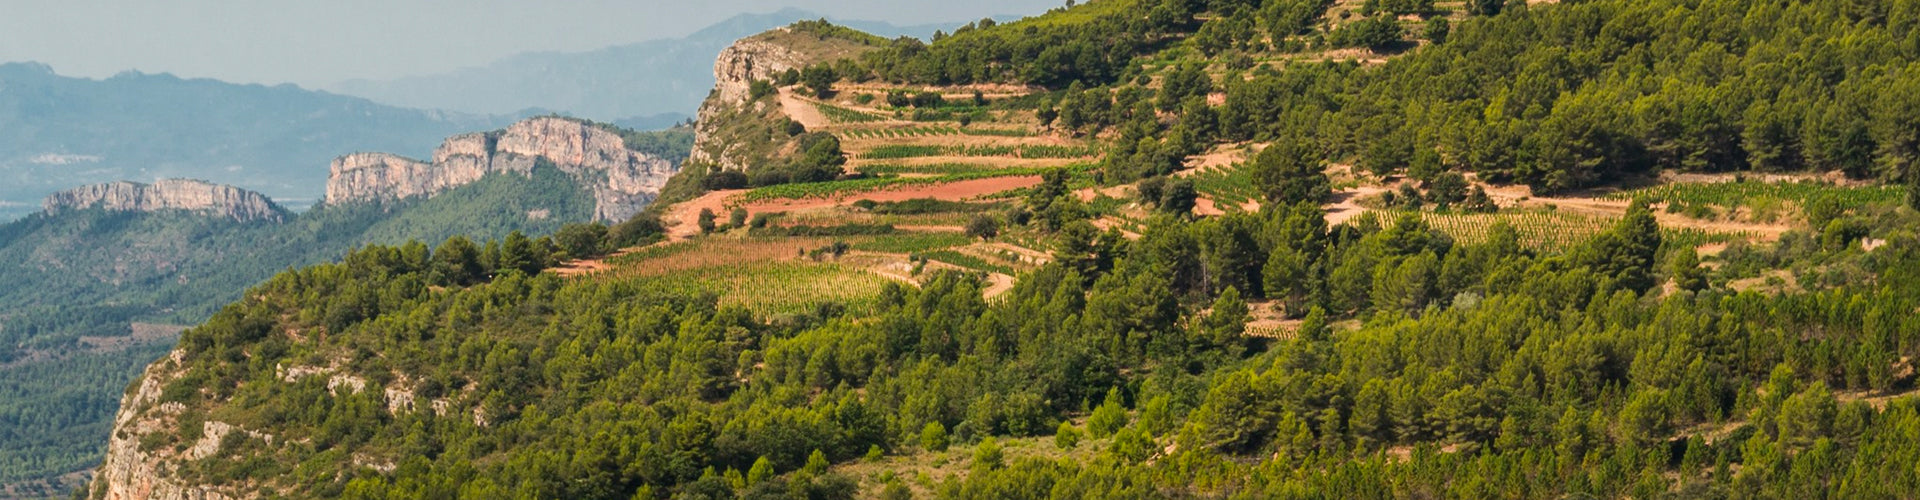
(659, 78)
(62, 132)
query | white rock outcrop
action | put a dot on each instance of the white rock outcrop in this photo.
(130, 473)
(168, 194)
(622, 180)
(749, 59)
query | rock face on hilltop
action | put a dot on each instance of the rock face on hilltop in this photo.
(718, 138)
(168, 194)
(622, 180)
(135, 472)
(752, 58)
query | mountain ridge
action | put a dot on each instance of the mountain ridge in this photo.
(66, 131)
(670, 70)
(622, 180)
(168, 194)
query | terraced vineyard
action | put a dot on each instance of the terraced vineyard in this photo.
(934, 169)
(1541, 229)
(1230, 187)
(1031, 152)
(1746, 193)
(838, 114)
(771, 288)
(967, 261)
(932, 131)
(900, 132)
(912, 242)
(854, 186)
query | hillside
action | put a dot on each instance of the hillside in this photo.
(1155, 249)
(103, 271)
(65, 132)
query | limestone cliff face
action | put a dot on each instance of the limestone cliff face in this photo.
(622, 180)
(168, 194)
(133, 473)
(749, 59)
(760, 57)
(366, 176)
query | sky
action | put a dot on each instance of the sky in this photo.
(316, 43)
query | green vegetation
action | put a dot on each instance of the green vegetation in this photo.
(889, 169)
(1541, 230)
(915, 242)
(1025, 152)
(1090, 43)
(1568, 367)
(929, 206)
(1818, 202)
(57, 413)
(1524, 353)
(1558, 97)
(870, 184)
(673, 144)
(966, 261)
(823, 29)
(1573, 95)
(932, 131)
(843, 115)
(69, 280)
(783, 288)
(1228, 186)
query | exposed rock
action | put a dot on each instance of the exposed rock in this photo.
(130, 473)
(399, 400)
(365, 176)
(760, 57)
(213, 434)
(168, 194)
(622, 180)
(751, 58)
(343, 381)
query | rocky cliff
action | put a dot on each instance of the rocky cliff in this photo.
(133, 471)
(168, 194)
(717, 140)
(622, 180)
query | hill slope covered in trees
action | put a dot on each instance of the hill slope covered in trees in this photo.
(1742, 335)
(88, 294)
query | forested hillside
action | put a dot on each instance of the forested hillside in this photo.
(1159, 249)
(1556, 96)
(1477, 369)
(75, 281)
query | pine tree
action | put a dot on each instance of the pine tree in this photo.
(1109, 417)
(1291, 171)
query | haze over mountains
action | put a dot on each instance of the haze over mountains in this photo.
(643, 85)
(63, 131)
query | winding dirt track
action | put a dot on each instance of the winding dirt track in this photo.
(800, 110)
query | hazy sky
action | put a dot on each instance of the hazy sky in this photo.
(315, 43)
